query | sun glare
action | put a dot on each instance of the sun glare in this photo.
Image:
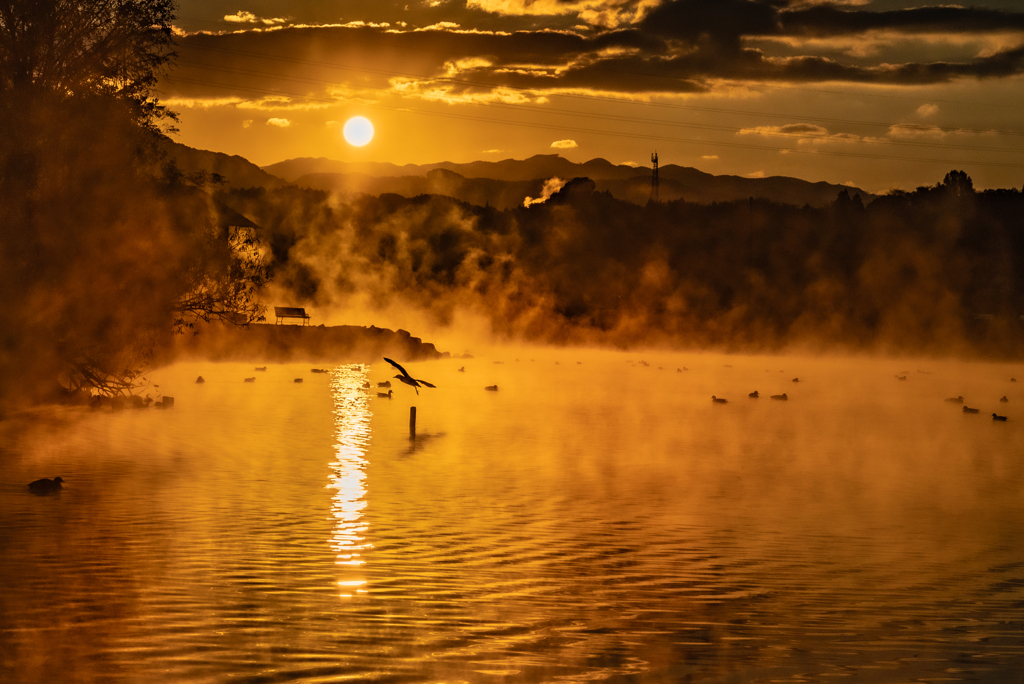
(358, 131)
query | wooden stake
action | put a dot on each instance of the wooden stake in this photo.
(412, 422)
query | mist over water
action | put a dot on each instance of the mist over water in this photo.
(595, 518)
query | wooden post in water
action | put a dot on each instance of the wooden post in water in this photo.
(412, 422)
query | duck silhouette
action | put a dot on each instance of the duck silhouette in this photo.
(46, 486)
(955, 400)
(1003, 399)
(382, 395)
(1001, 418)
(968, 409)
(718, 400)
(781, 397)
(386, 383)
(491, 388)
(754, 394)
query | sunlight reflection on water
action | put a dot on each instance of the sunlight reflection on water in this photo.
(352, 413)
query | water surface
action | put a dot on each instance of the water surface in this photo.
(601, 520)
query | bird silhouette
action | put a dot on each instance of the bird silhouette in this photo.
(995, 417)
(408, 379)
(718, 400)
(754, 395)
(382, 395)
(955, 400)
(782, 396)
(968, 409)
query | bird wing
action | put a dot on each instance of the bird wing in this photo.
(424, 382)
(399, 367)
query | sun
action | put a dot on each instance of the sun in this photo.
(358, 131)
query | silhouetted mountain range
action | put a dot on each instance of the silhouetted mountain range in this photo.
(505, 184)
(238, 171)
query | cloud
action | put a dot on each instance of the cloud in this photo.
(674, 48)
(709, 156)
(805, 134)
(491, 151)
(922, 131)
(201, 103)
(247, 123)
(243, 17)
(926, 110)
(564, 144)
(793, 130)
(594, 12)
(280, 123)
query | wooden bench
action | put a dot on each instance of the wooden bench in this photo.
(283, 312)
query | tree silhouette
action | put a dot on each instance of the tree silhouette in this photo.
(104, 250)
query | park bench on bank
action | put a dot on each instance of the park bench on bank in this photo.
(283, 312)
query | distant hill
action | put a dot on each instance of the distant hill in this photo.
(507, 183)
(238, 171)
(504, 184)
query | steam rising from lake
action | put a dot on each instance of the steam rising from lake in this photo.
(596, 517)
(936, 271)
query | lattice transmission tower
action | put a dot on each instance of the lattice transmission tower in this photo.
(654, 178)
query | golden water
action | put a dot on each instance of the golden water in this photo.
(592, 521)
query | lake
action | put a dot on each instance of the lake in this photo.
(598, 518)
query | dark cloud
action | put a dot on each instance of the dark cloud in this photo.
(678, 47)
(722, 20)
(829, 20)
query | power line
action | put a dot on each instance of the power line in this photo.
(608, 133)
(664, 105)
(625, 119)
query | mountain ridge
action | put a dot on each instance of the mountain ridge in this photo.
(526, 178)
(507, 183)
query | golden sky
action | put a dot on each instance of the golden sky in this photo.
(883, 94)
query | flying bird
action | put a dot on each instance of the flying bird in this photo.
(408, 379)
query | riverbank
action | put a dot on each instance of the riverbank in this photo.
(286, 343)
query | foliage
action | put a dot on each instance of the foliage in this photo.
(105, 250)
(937, 270)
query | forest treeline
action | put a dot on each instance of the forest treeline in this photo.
(936, 270)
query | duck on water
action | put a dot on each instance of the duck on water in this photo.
(46, 486)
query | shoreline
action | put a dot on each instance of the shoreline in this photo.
(297, 343)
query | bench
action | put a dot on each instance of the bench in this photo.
(283, 312)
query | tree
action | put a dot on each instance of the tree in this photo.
(958, 184)
(104, 250)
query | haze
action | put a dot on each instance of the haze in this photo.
(633, 341)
